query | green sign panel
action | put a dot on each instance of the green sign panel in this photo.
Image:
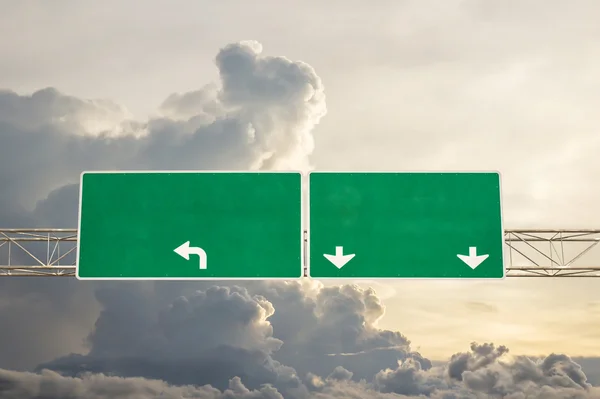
(190, 225)
(405, 225)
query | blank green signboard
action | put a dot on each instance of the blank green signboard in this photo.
(405, 225)
(190, 225)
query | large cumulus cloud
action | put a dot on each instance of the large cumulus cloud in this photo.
(206, 339)
(197, 345)
(266, 332)
(223, 342)
(259, 115)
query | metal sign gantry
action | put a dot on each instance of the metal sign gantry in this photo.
(529, 253)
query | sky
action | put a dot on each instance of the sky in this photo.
(403, 85)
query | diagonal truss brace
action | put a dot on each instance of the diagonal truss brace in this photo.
(37, 252)
(528, 253)
(552, 253)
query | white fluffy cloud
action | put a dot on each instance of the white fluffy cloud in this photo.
(259, 116)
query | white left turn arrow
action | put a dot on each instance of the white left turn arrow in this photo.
(184, 250)
(473, 260)
(339, 259)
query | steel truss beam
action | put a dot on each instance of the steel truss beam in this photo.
(552, 253)
(529, 253)
(37, 252)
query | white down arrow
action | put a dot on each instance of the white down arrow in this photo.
(339, 259)
(473, 260)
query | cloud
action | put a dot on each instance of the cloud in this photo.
(207, 339)
(480, 357)
(52, 385)
(264, 333)
(339, 329)
(553, 377)
(48, 138)
(218, 337)
(259, 116)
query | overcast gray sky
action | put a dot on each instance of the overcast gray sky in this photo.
(402, 85)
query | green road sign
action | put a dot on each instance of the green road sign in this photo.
(405, 225)
(190, 225)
